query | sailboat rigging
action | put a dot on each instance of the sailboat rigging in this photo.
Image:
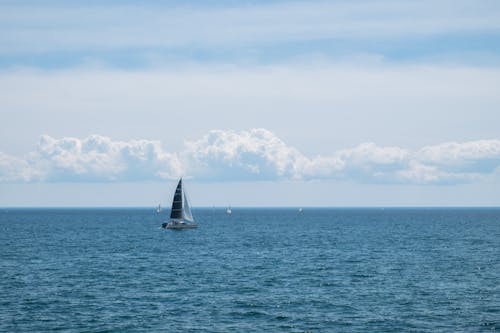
(180, 215)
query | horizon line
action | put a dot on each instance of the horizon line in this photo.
(152, 207)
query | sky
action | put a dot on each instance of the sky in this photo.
(254, 103)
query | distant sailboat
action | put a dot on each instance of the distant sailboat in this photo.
(158, 209)
(228, 210)
(180, 216)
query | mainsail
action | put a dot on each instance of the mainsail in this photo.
(180, 205)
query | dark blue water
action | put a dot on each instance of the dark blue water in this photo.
(257, 270)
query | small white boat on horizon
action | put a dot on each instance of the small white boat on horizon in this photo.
(228, 210)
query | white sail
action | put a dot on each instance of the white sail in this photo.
(186, 213)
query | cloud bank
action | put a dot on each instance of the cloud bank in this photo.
(256, 154)
(93, 159)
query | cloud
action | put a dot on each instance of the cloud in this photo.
(14, 169)
(36, 28)
(419, 173)
(327, 101)
(480, 156)
(370, 162)
(93, 159)
(255, 154)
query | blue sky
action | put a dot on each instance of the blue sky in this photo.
(352, 102)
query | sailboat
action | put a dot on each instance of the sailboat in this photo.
(180, 216)
(158, 209)
(228, 210)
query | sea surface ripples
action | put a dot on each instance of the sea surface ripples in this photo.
(257, 270)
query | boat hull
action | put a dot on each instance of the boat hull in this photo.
(179, 225)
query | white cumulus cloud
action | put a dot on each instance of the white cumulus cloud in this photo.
(255, 154)
(369, 162)
(95, 158)
(479, 156)
(14, 169)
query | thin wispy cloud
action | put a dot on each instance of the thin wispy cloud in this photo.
(344, 84)
(256, 154)
(229, 32)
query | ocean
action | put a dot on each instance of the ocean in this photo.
(256, 270)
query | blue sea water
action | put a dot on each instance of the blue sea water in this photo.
(257, 270)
